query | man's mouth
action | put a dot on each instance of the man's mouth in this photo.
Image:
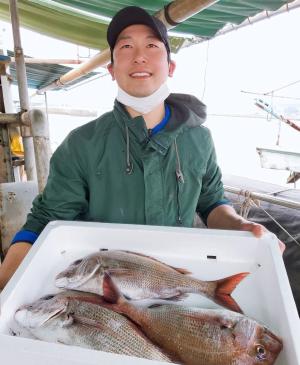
(140, 74)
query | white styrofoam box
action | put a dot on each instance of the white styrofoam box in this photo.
(264, 295)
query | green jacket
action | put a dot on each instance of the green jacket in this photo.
(91, 179)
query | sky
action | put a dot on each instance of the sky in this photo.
(227, 73)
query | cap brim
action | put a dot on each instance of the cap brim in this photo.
(129, 16)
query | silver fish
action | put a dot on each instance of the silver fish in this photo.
(141, 277)
(81, 319)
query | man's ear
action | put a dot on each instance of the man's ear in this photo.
(110, 68)
(172, 66)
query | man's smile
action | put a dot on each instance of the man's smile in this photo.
(140, 74)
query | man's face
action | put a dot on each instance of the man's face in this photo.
(140, 64)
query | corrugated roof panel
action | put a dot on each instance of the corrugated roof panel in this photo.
(40, 75)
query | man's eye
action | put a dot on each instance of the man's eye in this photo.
(152, 45)
(126, 46)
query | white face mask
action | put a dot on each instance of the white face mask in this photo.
(145, 104)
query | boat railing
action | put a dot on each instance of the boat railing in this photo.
(263, 197)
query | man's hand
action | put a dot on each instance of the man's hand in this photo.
(13, 258)
(258, 230)
(225, 217)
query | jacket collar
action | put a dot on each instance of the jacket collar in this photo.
(186, 112)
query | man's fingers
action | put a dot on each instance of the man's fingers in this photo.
(257, 229)
(281, 246)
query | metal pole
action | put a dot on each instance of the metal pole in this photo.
(23, 92)
(40, 131)
(10, 118)
(6, 167)
(177, 11)
(6, 170)
(268, 108)
(264, 197)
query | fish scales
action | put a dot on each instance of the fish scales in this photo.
(115, 336)
(142, 277)
(203, 347)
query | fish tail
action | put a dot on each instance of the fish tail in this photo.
(224, 289)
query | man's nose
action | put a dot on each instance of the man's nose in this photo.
(139, 57)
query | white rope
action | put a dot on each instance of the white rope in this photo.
(245, 206)
(279, 225)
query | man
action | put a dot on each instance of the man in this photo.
(149, 161)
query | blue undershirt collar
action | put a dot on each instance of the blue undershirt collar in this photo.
(161, 125)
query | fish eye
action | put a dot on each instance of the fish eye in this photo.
(260, 352)
(47, 297)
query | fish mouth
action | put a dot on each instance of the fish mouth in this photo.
(20, 315)
(62, 281)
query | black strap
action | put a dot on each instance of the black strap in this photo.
(167, 16)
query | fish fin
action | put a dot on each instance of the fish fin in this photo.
(120, 272)
(155, 305)
(227, 323)
(89, 322)
(178, 297)
(224, 289)
(180, 270)
(216, 318)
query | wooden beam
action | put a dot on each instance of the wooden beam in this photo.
(54, 61)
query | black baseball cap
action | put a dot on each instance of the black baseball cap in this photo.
(135, 15)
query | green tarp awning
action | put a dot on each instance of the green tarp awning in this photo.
(77, 21)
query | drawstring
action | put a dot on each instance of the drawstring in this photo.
(179, 179)
(129, 165)
(179, 174)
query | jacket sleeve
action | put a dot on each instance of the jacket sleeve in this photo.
(65, 196)
(212, 190)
